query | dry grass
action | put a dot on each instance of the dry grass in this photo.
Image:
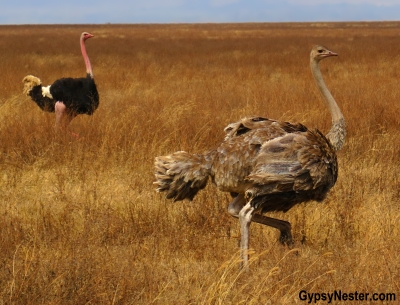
(80, 220)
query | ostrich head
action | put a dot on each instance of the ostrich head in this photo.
(86, 35)
(29, 82)
(319, 52)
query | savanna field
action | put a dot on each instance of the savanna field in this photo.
(80, 221)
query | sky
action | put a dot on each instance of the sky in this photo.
(195, 11)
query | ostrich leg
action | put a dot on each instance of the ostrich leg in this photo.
(245, 216)
(284, 227)
(63, 116)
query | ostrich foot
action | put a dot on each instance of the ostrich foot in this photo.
(75, 135)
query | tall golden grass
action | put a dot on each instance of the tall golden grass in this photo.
(80, 220)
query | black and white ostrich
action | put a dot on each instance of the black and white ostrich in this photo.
(67, 97)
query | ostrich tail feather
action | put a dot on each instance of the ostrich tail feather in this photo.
(181, 175)
(29, 82)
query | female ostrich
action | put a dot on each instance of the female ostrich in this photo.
(266, 165)
(67, 97)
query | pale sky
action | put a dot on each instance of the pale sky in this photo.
(195, 11)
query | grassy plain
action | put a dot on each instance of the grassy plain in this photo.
(80, 222)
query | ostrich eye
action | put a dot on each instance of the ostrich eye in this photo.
(320, 51)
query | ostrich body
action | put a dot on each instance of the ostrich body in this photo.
(266, 165)
(67, 97)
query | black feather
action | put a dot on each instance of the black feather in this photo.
(45, 103)
(79, 95)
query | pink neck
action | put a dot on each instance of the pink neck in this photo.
(86, 58)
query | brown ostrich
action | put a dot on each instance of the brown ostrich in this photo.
(266, 165)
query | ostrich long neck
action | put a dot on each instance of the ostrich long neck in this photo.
(337, 133)
(86, 58)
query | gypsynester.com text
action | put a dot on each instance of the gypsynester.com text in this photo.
(339, 295)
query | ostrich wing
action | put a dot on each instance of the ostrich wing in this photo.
(235, 158)
(78, 94)
(272, 128)
(296, 167)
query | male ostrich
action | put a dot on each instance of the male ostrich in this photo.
(266, 165)
(67, 97)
